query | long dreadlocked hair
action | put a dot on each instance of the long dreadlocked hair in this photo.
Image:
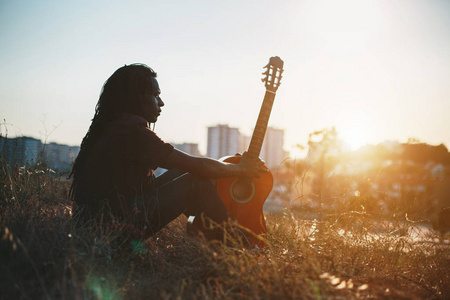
(122, 92)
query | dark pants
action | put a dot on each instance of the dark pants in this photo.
(175, 193)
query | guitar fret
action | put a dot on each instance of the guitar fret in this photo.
(255, 145)
(262, 124)
(260, 130)
(256, 140)
(268, 102)
(258, 135)
(264, 115)
(253, 154)
(266, 110)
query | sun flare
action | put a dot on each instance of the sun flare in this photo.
(354, 138)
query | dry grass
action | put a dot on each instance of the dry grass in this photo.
(45, 255)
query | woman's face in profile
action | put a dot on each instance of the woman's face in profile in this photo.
(152, 103)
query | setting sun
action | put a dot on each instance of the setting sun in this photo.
(354, 137)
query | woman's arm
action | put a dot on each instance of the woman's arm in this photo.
(211, 168)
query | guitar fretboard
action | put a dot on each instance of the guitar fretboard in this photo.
(261, 125)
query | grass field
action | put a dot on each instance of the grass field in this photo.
(44, 255)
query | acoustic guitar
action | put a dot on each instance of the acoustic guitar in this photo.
(243, 197)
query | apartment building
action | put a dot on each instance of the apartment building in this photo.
(223, 140)
(189, 148)
(27, 151)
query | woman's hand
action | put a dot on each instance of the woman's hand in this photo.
(251, 167)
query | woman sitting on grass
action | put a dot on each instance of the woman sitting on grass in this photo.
(113, 173)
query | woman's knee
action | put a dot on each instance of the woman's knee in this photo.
(201, 186)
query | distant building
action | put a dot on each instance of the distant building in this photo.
(27, 151)
(189, 148)
(272, 151)
(223, 141)
(60, 157)
(21, 151)
(245, 142)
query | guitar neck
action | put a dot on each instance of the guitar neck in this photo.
(261, 125)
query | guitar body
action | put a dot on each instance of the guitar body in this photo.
(244, 199)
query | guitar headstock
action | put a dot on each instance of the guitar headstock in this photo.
(274, 69)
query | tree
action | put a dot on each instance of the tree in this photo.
(324, 148)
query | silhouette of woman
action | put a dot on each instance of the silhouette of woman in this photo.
(113, 173)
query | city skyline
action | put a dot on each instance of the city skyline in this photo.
(194, 148)
(375, 70)
(273, 151)
(222, 141)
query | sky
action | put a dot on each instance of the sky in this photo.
(375, 70)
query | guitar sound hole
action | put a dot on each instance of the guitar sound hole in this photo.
(242, 191)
